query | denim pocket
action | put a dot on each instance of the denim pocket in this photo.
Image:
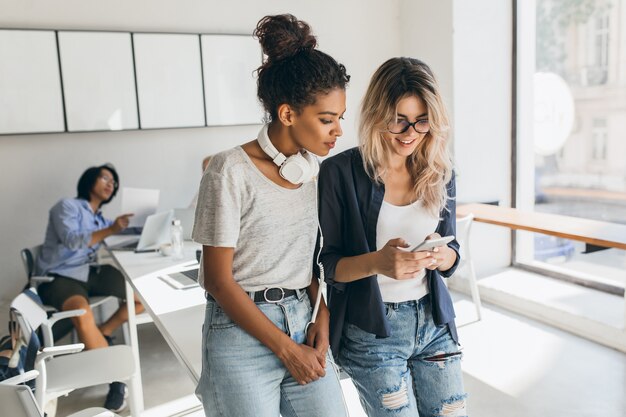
(220, 320)
(353, 333)
(389, 311)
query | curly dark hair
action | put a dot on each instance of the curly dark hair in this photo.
(294, 72)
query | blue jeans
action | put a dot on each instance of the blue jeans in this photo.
(414, 372)
(241, 377)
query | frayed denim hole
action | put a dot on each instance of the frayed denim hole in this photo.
(395, 398)
(442, 358)
(453, 407)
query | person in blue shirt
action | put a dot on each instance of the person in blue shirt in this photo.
(76, 229)
(391, 316)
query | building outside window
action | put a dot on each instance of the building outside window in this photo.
(598, 34)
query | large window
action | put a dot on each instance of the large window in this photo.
(575, 146)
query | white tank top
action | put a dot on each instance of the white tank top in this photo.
(411, 223)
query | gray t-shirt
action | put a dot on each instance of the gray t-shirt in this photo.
(273, 229)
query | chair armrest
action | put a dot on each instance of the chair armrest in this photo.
(51, 351)
(41, 279)
(20, 379)
(46, 327)
(64, 315)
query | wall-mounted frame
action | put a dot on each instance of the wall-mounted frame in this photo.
(81, 81)
(30, 85)
(98, 80)
(229, 64)
(169, 80)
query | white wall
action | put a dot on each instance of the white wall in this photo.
(427, 34)
(468, 46)
(482, 103)
(482, 99)
(40, 169)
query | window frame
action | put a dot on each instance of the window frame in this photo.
(522, 242)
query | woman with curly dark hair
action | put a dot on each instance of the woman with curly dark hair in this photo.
(265, 350)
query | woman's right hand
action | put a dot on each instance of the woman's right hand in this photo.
(121, 222)
(304, 363)
(400, 264)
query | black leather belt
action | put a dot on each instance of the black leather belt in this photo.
(272, 295)
(268, 295)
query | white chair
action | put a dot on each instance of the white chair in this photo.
(466, 266)
(39, 318)
(29, 255)
(63, 369)
(18, 400)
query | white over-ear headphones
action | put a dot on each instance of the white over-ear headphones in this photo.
(297, 169)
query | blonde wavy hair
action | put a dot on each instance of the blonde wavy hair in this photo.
(430, 166)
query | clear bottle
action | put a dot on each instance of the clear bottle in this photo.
(176, 233)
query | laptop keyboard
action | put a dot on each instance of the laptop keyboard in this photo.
(127, 246)
(192, 273)
(130, 246)
(185, 279)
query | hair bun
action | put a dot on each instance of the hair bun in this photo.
(283, 36)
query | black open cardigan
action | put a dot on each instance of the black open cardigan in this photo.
(349, 204)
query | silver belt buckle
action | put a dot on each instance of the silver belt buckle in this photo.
(282, 295)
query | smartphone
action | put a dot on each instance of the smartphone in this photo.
(430, 244)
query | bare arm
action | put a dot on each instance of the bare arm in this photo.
(390, 261)
(353, 268)
(303, 362)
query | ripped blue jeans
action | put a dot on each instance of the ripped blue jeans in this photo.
(414, 372)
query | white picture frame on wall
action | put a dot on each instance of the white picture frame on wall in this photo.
(169, 80)
(98, 80)
(31, 99)
(229, 64)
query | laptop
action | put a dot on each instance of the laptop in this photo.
(156, 231)
(187, 278)
(187, 217)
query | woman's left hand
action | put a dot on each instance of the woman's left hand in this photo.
(318, 335)
(442, 257)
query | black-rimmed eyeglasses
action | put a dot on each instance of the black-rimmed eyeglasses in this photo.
(400, 126)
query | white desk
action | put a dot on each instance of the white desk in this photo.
(178, 314)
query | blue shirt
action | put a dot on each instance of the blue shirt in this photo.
(66, 249)
(349, 204)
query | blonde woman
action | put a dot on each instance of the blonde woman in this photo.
(392, 319)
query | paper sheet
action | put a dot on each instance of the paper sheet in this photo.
(142, 202)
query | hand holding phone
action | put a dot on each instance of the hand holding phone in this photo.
(430, 244)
